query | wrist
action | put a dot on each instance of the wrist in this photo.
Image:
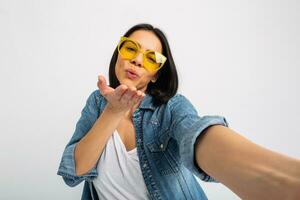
(111, 110)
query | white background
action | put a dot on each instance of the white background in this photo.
(239, 59)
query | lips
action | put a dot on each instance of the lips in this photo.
(131, 74)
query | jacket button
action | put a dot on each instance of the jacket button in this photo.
(161, 146)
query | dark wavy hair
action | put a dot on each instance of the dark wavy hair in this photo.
(166, 84)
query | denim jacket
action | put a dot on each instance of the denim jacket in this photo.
(165, 138)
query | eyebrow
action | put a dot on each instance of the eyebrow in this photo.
(140, 46)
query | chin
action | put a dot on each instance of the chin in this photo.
(128, 82)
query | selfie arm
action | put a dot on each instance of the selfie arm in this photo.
(249, 170)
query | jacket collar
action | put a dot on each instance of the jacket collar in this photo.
(147, 103)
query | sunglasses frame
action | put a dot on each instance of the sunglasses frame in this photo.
(159, 55)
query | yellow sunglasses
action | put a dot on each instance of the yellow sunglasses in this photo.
(129, 49)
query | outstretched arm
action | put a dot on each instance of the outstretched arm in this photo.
(249, 170)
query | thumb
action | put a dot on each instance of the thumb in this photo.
(102, 82)
(104, 88)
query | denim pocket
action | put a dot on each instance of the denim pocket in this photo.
(164, 152)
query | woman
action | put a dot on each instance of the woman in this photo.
(138, 139)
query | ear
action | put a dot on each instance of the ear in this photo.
(155, 77)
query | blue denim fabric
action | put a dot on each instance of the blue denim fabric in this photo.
(165, 137)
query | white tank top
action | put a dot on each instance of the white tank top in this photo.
(119, 173)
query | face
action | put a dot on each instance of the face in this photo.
(131, 72)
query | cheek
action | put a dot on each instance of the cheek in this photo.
(121, 62)
(119, 66)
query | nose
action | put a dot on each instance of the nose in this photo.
(138, 60)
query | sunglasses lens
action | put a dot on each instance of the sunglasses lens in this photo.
(151, 61)
(128, 49)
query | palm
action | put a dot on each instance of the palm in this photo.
(121, 98)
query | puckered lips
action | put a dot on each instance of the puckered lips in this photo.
(131, 74)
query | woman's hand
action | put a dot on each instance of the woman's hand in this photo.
(120, 99)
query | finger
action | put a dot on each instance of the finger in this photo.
(141, 96)
(136, 97)
(119, 91)
(102, 85)
(128, 96)
(102, 82)
(133, 92)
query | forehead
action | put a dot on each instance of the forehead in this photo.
(147, 40)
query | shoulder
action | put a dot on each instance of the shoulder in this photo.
(95, 98)
(181, 102)
(178, 99)
(180, 105)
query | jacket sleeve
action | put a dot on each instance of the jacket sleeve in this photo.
(89, 115)
(187, 126)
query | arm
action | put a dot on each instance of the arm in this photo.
(90, 147)
(82, 152)
(249, 170)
